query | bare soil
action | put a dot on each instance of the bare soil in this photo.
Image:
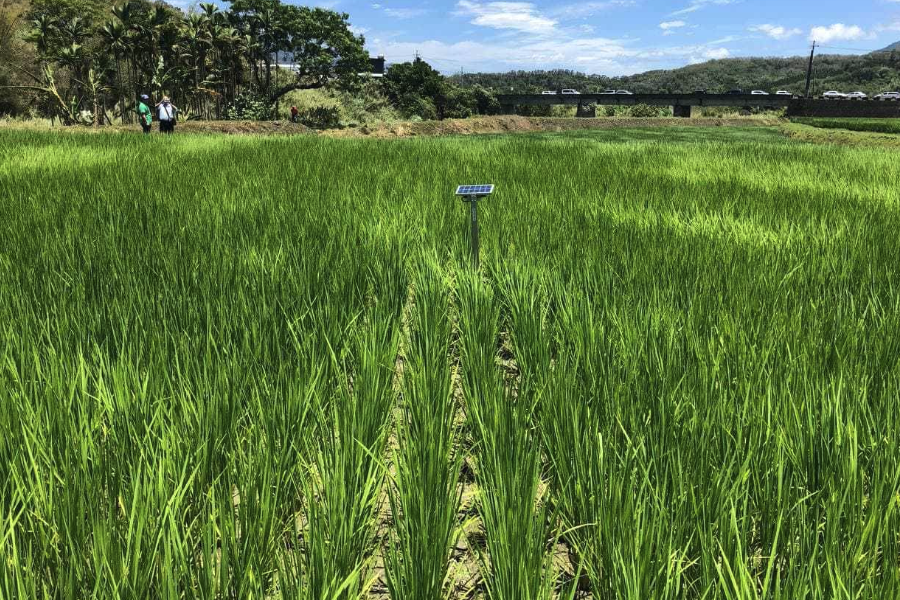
(472, 126)
(513, 124)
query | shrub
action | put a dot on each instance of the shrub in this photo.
(486, 102)
(321, 117)
(414, 105)
(460, 103)
(535, 111)
(249, 106)
(643, 111)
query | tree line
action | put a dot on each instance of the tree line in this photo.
(84, 61)
(81, 57)
(871, 73)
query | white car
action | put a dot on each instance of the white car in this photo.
(833, 94)
(548, 93)
(608, 92)
(860, 95)
(570, 92)
(783, 93)
(759, 93)
(888, 96)
(625, 92)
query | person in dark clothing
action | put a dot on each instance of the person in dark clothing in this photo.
(294, 114)
(167, 114)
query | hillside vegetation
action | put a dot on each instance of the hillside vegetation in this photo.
(871, 73)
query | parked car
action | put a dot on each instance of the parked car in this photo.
(858, 95)
(833, 94)
(759, 93)
(608, 92)
(888, 96)
(735, 92)
(783, 93)
(569, 92)
(699, 92)
(548, 93)
(625, 92)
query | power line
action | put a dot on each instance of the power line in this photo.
(853, 49)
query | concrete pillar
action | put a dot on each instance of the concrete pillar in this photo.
(586, 111)
(682, 111)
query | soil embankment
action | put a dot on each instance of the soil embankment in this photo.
(401, 129)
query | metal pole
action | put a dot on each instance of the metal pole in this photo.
(809, 68)
(473, 204)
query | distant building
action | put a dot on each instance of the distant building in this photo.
(376, 67)
(377, 63)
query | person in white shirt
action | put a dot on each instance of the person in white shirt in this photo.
(167, 114)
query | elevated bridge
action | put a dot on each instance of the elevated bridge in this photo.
(681, 103)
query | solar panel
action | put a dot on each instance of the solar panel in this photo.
(474, 190)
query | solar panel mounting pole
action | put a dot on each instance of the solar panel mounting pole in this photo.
(472, 194)
(473, 209)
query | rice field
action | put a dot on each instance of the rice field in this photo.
(244, 367)
(853, 124)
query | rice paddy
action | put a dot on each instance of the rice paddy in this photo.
(853, 124)
(243, 367)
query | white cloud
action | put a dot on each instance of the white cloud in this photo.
(777, 32)
(895, 26)
(589, 54)
(686, 10)
(716, 53)
(404, 13)
(709, 54)
(666, 25)
(358, 30)
(518, 16)
(837, 31)
(696, 5)
(588, 9)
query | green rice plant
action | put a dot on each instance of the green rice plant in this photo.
(679, 366)
(852, 123)
(343, 488)
(425, 495)
(517, 562)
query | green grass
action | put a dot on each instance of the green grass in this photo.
(255, 367)
(853, 124)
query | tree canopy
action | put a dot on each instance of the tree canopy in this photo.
(870, 73)
(90, 57)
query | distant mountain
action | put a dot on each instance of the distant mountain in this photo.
(892, 47)
(870, 73)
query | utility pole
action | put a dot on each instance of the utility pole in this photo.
(809, 68)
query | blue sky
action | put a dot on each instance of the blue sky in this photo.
(613, 37)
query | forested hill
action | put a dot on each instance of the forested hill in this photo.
(871, 73)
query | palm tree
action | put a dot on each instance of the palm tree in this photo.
(113, 34)
(197, 38)
(124, 14)
(76, 30)
(224, 41)
(156, 27)
(44, 28)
